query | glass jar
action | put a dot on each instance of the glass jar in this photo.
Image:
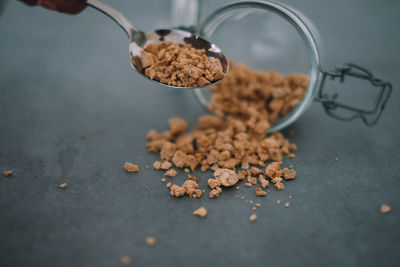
(272, 36)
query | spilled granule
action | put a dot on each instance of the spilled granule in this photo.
(130, 167)
(151, 241)
(385, 208)
(200, 212)
(7, 173)
(125, 261)
(63, 186)
(253, 217)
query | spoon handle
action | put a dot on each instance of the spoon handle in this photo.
(114, 15)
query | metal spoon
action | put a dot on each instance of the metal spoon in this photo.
(139, 40)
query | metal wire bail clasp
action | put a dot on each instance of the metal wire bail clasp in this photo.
(333, 108)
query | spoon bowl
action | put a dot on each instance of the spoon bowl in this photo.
(139, 40)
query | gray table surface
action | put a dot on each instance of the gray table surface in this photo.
(62, 77)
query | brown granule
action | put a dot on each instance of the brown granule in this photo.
(164, 180)
(200, 212)
(287, 204)
(125, 261)
(291, 156)
(253, 217)
(278, 201)
(264, 182)
(252, 180)
(260, 192)
(7, 173)
(233, 142)
(247, 184)
(177, 191)
(385, 208)
(165, 165)
(215, 192)
(226, 177)
(169, 184)
(254, 208)
(180, 65)
(251, 201)
(186, 170)
(63, 186)
(151, 241)
(213, 183)
(289, 174)
(258, 205)
(171, 173)
(130, 167)
(237, 187)
(279, 186)
(157, 165)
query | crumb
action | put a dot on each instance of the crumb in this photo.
(151, 241)
(287, 204)
(260, 192)
(337, 159)
(279, 186)
(289, 174)
(385, 208)
(291, 156)
(258, 205)
(237, 187)
(226, 177)
(253, 217)
(213, 183)
(186, 170)
(130, 167)
(247, 184)
(7, 173)
(63, 186)
(215, 192)
(200, 212)
(147, 166)
(169, 184)
(125, 260)
(254, 208)
(157, 165)
(264, 183)
(242, 197)
(165, 165)
(278, 201)
(291, 166)
(252, 180)
(164, 180)
(251, 201)
(171, 173)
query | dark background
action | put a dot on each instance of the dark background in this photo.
(62, 77)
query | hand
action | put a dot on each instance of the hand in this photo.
(64, 6)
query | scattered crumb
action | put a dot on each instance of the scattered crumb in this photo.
(237, 187)
(171, 173)
(215, 192)
(125, 260)
(63, 186)
(151, 241)
(164, 180)
(385, 208)
(247, 184)
(147, 166)
(186, 170)
(278, 201)
(260, 192)
(254, 208)
(287, 204)
(169, 184)
(130, 167)
(242, 197)
(253, 217)
(7, 173)
(258, 205)
(337, 159)
(200, 212)
(251, 201)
